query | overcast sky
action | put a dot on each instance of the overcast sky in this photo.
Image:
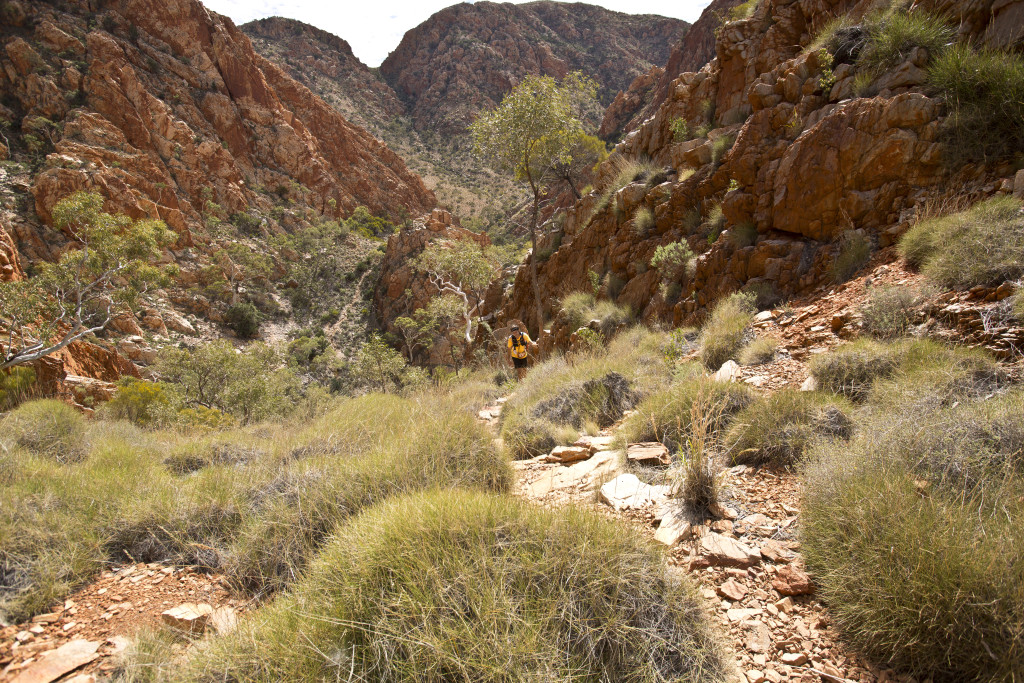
(375, 27)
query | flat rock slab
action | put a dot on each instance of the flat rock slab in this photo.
(567, 454)
(723, 551)
(595, 443)
(674, 527)
(648, 453)
(55, 663)
(627, 491)
(586, 474)
(189, 617)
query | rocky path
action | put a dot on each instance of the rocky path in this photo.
(80, 639)
(747, 560)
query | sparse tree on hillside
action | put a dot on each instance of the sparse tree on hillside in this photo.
(461, 269)
(415, 329)
(447, 313)
(107, 269)
(378, 363)
(587, 153)
(535, 129)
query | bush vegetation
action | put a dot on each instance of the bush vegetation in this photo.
(466, 586)
(556, 399)
(256, 505)
(777, 429)
(48, 428)
(854, 252)
(983, 245)
(914, 532)
(758, 351)
(667, 415)
(724, 333)
(629, 172)
(580, 308)
(889, 311)
(891, 36)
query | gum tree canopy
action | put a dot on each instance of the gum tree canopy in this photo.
(532, 134)
(106, 269)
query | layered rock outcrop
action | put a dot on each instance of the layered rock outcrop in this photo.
(787, 172)
(466, 57)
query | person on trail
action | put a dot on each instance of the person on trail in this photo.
(518, 345)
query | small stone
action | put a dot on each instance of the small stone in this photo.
(224, 620)
(733, 590)
(68, 626)
(188, 617)
(792, 581)
(755, 676)
(627, 491)
(741, 614)
(723, 551)
(772, 550)
(785, 605)
(722, 526)
(565, 454)
(794, 658)
(673, 528)
(810, 384)
(46, 618)
(729, 372)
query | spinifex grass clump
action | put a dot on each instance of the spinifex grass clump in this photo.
(255, 503)
(723, 334)
(48, 428)
(981, 246)
(777, 429)
(461, 586)
(915, 532)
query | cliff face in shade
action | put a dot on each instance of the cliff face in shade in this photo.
(466, 57)
(646, 93)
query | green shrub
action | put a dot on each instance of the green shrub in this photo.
(580, 308)
(743, 235)
(850, 370)
(914, 534)
(673, 260)
(984, 90)
(247, 224)
(463, 586)
(744, 10)
(244, 319)
(777, 429)
(142, 402)
(49, 428)
(758, 351)
(981, 246)
(854, 253)
(723, 334)
(666, 415)
(889, 311)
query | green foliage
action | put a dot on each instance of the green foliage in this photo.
(247, 223)
(485, 586)
(250, 385)
(758, 351)
(366, 224)
(16, 385)
(460, 270)
(105, 272)
(556, 400)
(743, 235)
(578, 309)
(49, 428)
(378, 364)
(743, 10)
(984, 90)
(674, 260)
(667, 415)
(629, 172)
(779, 428)
(851, 369)
(981, 246)
(889, 312)
(244, 319)
(142, 402)
(257, 506)
(680, 128)
(893, 35)
(854, 253)
(723, 334)
(827, 79)
(913, 531)
(643, 221)
(720, 147)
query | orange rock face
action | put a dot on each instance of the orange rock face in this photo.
(792, 166)
(10, 264)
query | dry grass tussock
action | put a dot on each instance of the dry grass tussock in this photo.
(726, 330)
(466, 586)
(253, 502)
(557, 398)
(915, 533)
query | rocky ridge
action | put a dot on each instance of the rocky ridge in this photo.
(793, 168)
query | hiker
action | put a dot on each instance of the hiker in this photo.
(519, 344)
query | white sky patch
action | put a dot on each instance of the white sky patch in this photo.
(375, 27)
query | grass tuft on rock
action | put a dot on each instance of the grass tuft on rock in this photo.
(777, 429)
(983, 245)
(464, 586)
(724, 333)
(915, 534)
